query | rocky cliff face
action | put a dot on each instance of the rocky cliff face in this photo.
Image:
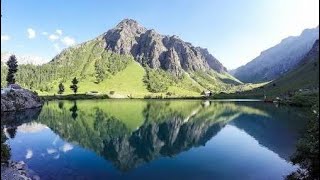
(313, 54)
(158, 51)
(20, 99)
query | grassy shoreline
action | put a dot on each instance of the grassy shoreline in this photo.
(72, 97)
(299, 100)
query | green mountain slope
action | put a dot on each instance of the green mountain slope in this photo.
(304, 76)
(100, 69)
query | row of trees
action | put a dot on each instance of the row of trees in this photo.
(12, 64)
(74, 87)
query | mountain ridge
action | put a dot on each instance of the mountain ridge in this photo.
(169, 53)
(279, 59)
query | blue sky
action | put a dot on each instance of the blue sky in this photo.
(234, 31)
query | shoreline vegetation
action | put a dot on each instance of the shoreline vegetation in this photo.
(299, 99)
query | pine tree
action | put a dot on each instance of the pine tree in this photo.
(61, 88)
(12, 69)
(74, 87)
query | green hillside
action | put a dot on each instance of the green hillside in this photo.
(101, 70)
(304, 78)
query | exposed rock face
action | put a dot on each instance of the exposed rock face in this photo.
(313, 53)
(157, 51)
(19, 99)
(278, 60)
(15, 171)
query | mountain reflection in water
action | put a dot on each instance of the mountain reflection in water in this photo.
(132, 133)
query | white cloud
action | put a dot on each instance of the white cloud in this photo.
(68, 41)
(53, 37)
(31, 33)
(30, 127)
(59, 31)
(5, 37)
(57, 156)
(66, 147)
(44, 33)
(29, 154)
(51, 151)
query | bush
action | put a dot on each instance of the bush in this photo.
(147, 97)
(112, 92)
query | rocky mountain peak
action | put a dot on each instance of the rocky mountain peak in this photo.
(130, 24)
(158, 51)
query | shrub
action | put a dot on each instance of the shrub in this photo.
(157, 80)
(169, 94)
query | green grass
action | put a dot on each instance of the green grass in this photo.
(100, 70)
(129, 82)
(306, 76)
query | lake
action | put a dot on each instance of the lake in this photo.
(155, 139)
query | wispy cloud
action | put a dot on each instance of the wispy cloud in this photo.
(51, 151)
(59, 40)
(56, 156)
(66, 147)
(68, 41)
(29, 154)
(44, 33)
(5, 37)
(59, 31)
(53, 37)
(31, 33)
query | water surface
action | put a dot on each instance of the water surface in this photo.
(155, 139)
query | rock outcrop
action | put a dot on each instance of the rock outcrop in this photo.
(16, 171)
(148, 47)
(19, 99)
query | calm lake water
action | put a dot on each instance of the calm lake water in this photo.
(155, 139)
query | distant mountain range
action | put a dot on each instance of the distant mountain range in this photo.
(278, 60)
(304, 77)
(24, 59)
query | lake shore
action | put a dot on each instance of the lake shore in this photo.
(300, 100)
(17, 171)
